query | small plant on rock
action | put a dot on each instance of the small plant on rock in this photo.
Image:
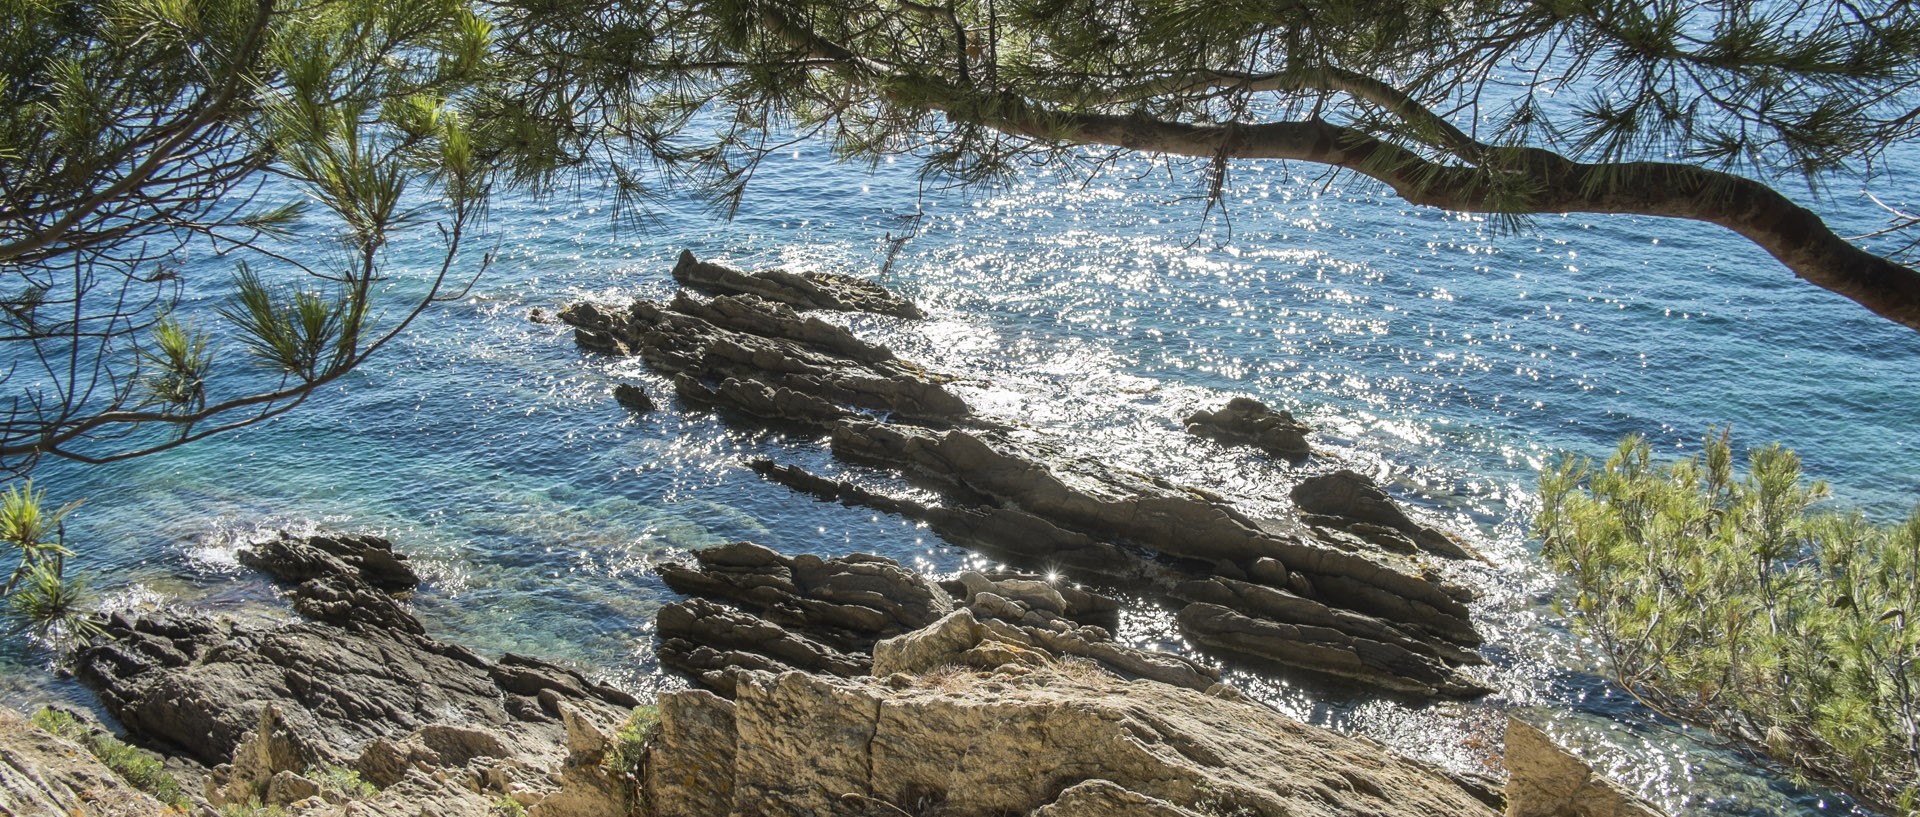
(141, 769)
(625, 758)
(342, 781)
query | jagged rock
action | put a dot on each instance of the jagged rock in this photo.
(202, 684)
(1356, 503)
(689, 770)
(851, 601)
(1012, 497)
(1374, 626)
(1014, 742)
(44, 774)
(755, 316)
(714, 644)
(633, 397)
(538, 315)
(1101, 504)
(829, 616)
(587, 788)
(1009, 533)
(1325, 650)
(1246, 421)
(272, 749)
(934, 645)
(347, 603)
(294, 559)
(1548, 781)
(760, 399)
(809, 290)
(802, 356)
(286, 788)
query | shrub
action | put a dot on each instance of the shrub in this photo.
(343, 781)
(1730, 603)
(628, 753)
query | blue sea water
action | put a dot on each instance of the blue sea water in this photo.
(1442, 355)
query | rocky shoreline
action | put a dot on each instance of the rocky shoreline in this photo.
(1347, 588)
(836, 684)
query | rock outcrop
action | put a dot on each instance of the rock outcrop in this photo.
(1347, 501)
(1246, 421)
(358, 687)
(633, 397)
(806, 290)
(1548, 781)
(1356, 597)
(828, 616)
(1247, 587)
(45, 774)
(762, 358)
(965, 722)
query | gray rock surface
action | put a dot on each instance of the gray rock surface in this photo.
(832, 617)
(441, 729)
(1344, 499)
(41, 774)
(1246, 421)
(633, 397)
(807, 290)
(763, 359)
(1361, 599)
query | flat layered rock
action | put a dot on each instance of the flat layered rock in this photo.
(756, 610)
(1246, 421)
(1352, 502)
(763, 359)
(1354, 613)
(807, 290)
(42, 773)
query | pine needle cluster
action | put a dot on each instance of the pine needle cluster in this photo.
(1734, 602)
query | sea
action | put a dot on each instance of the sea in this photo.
(1449, 356)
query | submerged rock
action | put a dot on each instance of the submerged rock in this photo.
(807, 290)
(633, 397)
(1246, 421)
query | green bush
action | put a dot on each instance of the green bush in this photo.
(628, 753)
(139, 768)
(343, 781)
(1731, 603)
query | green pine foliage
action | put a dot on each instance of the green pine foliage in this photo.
(38, 592)
(1733, 602)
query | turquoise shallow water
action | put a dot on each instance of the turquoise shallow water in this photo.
(1446, 358)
